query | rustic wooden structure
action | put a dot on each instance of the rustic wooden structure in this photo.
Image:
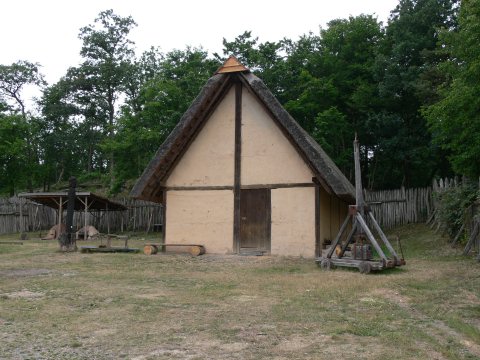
(239, 175)
(359, 236)
(98, 249)
(86, 202)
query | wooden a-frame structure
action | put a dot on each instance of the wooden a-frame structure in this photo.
(358, 217)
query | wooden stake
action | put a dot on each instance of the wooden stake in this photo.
(473, 236)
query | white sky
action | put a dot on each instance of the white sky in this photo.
(46, 31)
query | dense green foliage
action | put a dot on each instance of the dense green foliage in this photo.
(408, 89)
(455, 118)
(452, 203)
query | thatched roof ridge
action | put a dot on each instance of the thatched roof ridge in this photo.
(149, 185)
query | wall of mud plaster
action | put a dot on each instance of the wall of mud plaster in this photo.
(267, 155)
(209, 160)
(201, 217)
(293, 222)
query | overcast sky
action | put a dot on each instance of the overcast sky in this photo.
(46, 31)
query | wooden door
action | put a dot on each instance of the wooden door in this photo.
(255, 220)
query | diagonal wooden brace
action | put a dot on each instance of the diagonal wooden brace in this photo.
(370, 236)
(384, 239)
(337, 238)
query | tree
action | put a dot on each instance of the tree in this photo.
(455, 119)
(263, 59)
(169, 84)
(108, 55)
(13, 79)
(18, 127)
(335, 89)
(14, 163)
(405, 70)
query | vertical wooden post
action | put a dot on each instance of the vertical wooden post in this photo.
(108, 219)
(318, 242)
(85, 219)
(358, 177)
(21, 214)
(60, 211)
(121, 217)
(67, 240)
(237, 168)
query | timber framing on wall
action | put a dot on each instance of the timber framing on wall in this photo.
(238, 167)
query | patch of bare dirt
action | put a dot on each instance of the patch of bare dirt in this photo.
(23, 294)
(298, 343)
(393, 296)
(439, 329)
(24, 272)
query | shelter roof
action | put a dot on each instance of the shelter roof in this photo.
(150, 185)
(94, 201)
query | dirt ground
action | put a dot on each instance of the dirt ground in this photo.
(173, 306)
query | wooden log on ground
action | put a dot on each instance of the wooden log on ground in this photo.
(193, 249)
(197, 250)
(150, 249)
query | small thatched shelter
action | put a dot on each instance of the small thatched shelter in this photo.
(238, 174)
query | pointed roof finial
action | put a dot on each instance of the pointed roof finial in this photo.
(231, 65)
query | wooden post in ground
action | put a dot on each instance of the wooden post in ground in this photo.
(67, 240)
(471, 241)
(21, 215)
(85, 219)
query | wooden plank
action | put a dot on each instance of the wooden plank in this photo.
(268, 215)
(348, 240)
(457, 236)
(237, 167)
(473, 236)
(94, 249)
(255, 219)
(318, 245)
(358, 177)
(198, 188)
(337, 238)
(384, 238)
(370, 236)
(277, 186)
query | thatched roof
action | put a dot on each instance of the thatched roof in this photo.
(150, 185)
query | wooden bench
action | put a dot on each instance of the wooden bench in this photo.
(193, 249)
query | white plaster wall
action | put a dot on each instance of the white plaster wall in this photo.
(209, 160)
(293, 222)
(201, 217)
(267, 155)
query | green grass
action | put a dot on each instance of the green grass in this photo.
(110, 306)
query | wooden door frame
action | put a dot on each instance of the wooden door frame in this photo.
(268, 220)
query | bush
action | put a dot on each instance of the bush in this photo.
(452, 203)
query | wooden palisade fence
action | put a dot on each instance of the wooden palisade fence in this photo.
(141, 216)
(400, 206)
(390, 207)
